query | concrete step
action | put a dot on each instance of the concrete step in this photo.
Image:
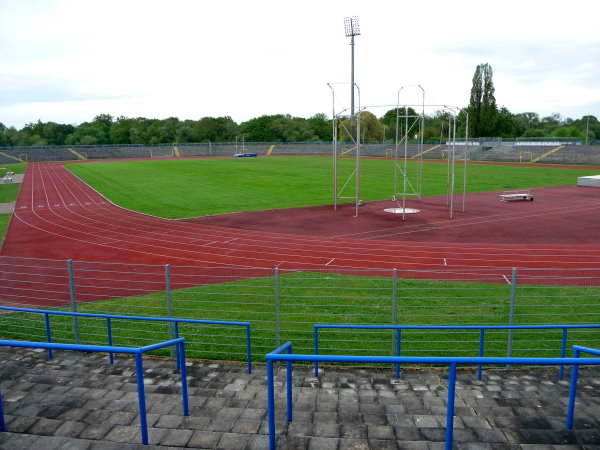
(78, 400)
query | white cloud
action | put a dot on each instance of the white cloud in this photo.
(67, 61)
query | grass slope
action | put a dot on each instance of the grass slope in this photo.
(197, 187)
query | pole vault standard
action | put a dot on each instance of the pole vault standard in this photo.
(354, 137)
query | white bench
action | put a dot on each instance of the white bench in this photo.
(511, 196)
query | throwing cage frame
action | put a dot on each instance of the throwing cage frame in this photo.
(401, 177)
(355, 140)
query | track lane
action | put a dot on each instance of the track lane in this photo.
(71, 214)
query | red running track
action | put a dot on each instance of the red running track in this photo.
(57, 216)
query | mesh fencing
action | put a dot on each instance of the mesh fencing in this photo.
(284, 304)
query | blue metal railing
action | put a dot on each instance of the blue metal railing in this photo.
(139, 370)
(481, 328)
(577, 350)
(277, 355)
(110, 317)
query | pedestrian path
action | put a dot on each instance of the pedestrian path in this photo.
(79, 401)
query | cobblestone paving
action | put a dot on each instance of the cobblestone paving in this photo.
(80, 401)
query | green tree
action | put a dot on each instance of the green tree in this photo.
(568, 132)
(397, 116)
(483, 112)
(262, 129)
(214, 129)
(550, 123)
(371, 129)
(525, 121)
(505, 124)
(321, 127)
(163, 131)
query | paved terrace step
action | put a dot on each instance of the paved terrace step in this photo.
(77, 400)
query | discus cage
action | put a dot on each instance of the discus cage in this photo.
(346, 141)
(408, 153)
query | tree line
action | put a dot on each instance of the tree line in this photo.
(485, 119)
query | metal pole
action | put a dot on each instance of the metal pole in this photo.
(421, 146)
(139, 375)
(405, 163)
(169, 306)
(335, 138)
(453, 151)
(572, 392)
(511, 314)
(183, 372)
(357, 201)
(587, 129)
(73, 299)
(352, 122)
(464, 203)
(277, 318)
(450, 407)
(271, 404)
(394, 304)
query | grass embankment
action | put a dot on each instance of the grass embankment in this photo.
(308, 298)
(197, 187)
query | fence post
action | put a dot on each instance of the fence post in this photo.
(394, 306)
(277, 318)
(73, 300)
(511, 314)
(169, 306)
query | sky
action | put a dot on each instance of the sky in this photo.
(67, 61)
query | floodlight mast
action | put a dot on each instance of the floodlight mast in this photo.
(352, 29)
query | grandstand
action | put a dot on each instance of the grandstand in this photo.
(525, 152)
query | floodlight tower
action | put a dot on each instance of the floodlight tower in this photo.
(352, 29)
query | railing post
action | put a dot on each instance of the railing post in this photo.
(481, 344)
(169, 306)
(450, 407)
(183, 372)
(139, 375)
(48, 333)
(398, 349)
(394, 305)
(572, 391)
(511, 313)
(271, 404)
(316, 348)
(277, 318)
(249, 348)
(73, 299)
(111, 356)
(289, 382)
(563, 353)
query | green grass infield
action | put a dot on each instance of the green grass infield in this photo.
(180, 188)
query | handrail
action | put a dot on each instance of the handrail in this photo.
(481, 329)
(577, 350)
(452, 361)
(109, 317)
(179, 343)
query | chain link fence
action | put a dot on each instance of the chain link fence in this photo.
(284, 304)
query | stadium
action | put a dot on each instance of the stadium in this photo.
(512, 280)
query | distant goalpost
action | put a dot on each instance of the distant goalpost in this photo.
(162, 152)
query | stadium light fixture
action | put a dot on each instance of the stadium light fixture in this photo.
(352, 29)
